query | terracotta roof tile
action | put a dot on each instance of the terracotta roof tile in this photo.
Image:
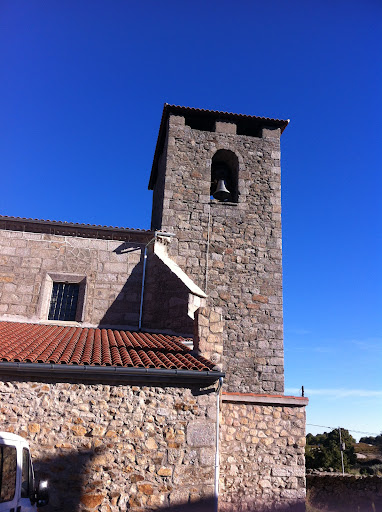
(181, 109)
(32, 343)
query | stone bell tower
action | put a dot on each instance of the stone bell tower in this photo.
(216, 183)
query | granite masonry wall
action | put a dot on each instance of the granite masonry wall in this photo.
(208, 333)
(347, 493)
(111, 270)
(112, 448)
(262, 456)
(232, 250)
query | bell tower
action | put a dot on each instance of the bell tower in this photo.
(216, 185)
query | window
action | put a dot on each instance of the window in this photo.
(27, 480)
(8, 467)
(63, 297)
(63, 302)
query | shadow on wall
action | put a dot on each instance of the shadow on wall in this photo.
(208, 505)
(72, 489)
(67, 475)
(125, 308)
(165, 305)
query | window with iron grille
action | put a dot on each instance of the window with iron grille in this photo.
(63, 302)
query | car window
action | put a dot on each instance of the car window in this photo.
(8, 469)
(25, 474)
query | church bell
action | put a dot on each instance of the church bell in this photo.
(221, 193)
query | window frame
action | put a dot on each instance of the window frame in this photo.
(8, 499)
(46, 295)
(27, 474)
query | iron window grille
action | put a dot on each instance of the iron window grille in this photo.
(63, 303)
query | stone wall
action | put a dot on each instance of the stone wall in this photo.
(347, 493)
(166, 300)
(114, 448)
(208, 334)
(112, 270)
(262, 456)
(243, 271)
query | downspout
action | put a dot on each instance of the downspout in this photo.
(143, 282)
(217, 453)
(157, 233)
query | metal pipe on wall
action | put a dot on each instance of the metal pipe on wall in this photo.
(217, 451)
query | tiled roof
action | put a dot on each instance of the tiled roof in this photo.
(184, 110)
(57, 344)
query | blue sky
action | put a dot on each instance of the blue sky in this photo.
(82, 87)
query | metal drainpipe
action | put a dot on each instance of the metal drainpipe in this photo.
(217, 453)
(143, 281)
(157, 233)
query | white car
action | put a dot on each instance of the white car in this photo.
(18, 491)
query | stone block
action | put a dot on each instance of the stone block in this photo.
(6, 278)
(115, 267)
(207, 457)
(16, 309)
(146, 489)
(225, 127)
(282, 471)
(201, 433)
(176, 120)
(92, 500)
(271, 132)
(163, 471)
(179, 496)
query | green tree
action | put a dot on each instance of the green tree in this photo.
(376, 441)
(324, 450)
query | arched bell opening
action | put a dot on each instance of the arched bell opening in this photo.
(224, 176)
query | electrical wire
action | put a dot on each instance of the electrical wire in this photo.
(348, 429)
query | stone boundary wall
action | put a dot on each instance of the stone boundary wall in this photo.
(110, 448)
(262, 456)
(345, 493)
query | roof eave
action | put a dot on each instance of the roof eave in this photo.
(72, 228)
(113, 373)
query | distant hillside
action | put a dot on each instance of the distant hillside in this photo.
(369, 459)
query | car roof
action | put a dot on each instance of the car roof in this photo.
(8, 436)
